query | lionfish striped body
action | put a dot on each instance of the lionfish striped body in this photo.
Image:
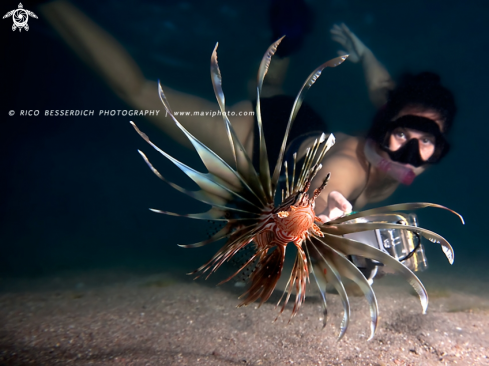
(244, 198)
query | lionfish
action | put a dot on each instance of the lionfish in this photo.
(244, 199)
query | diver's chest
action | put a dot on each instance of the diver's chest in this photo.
(376, 190)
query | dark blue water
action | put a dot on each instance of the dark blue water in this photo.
(75, 192)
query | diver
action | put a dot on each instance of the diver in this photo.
(408, 133)
(407, 136)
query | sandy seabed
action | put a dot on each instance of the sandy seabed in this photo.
(126, 318)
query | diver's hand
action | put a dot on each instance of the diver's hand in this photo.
(337, 206)
(351, 43)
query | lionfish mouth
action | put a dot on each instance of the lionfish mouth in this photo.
(243, 197)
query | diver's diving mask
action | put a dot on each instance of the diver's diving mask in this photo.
(409, 152)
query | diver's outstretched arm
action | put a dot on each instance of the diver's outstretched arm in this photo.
(378, 79)
(113, 63)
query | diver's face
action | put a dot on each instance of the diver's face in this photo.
(426, 141)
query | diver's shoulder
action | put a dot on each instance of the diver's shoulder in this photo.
(346, 142)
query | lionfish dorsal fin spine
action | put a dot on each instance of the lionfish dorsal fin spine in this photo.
(295, 109)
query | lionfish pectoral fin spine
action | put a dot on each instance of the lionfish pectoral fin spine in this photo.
(223, 233)
(253, 257)
(213, 214)
(264, 165)
(243, 162)
(265, 62)
(396, 207)
(205, 181)
(163, 99)
(217, 84)
(264, 279)
(213, 162)
(347, 269)
(353, 247)
(354, 228)
(323, 293)
(201, 195)
(333, 277)
(295, 109)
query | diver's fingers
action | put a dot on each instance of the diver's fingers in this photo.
(350, 35)
(335, 213)
(336, 29)
(346, 30)
(353, 42)
(338, 34)
(345, 46)
(336, 199)
(341, 38)
(353, 37)
(348, 40)
(324, 218)
(346, 43)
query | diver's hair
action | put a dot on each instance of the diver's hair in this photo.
(423, 90)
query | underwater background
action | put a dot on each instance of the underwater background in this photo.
(75, 192)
